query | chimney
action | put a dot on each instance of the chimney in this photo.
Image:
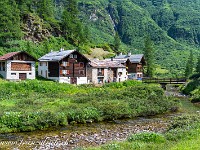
(129, 54)
(62, 49)
(111, 58)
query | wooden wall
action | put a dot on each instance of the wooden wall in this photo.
(75, 67)
(15, 66)
(23, 56)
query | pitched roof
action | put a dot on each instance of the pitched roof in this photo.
(136, 58)
(56, 55)
(11, 54)
(8, 55)
(106, 64)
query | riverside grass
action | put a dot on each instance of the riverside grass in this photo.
(38, 105)
(183, 134)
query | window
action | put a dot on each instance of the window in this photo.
(75, 56)
(40, 63)
(81, 64)
(139, 75)
(81, 72)
(13, 74)
(41, 73)
(65, 72)
(120, 74)
(3, 66)
(71, 56)
(65, 64)
(30, 73)
(46, 74)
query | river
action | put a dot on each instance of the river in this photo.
(84, 135)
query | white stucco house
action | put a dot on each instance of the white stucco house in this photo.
(17, 66)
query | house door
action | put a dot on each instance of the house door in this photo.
(22, 76)
(73, 80)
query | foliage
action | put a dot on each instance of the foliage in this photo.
(149, 57)
(9, 22)
(196, 95)
(147, 137)
(16, 121)
(189, 65)
(192, 85)
(43, 99)
(183, 127)
(117, 42)
(81, 23)
(198, 65)
(183, 133)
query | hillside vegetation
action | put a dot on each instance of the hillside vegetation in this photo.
(39, 26)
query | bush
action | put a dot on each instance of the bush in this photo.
(195, 95)
(147, 137)
(195, 76)
(113, 109)
(191, 86)
(82, 113)
(18, 121)
(183, 127)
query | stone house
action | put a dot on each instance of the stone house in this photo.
(102, 71)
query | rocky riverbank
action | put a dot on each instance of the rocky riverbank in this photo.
(78, 136)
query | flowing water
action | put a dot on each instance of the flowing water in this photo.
(74, 136)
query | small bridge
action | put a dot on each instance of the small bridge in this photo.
(164, 81)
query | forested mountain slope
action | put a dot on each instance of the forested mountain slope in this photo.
(38, 26)
(174, 26)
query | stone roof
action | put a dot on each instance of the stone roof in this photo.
(136, 58)
(106, 64)
(11, 54)
(56, 55)
(8, 55)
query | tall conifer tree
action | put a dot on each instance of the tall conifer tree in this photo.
(45, 9)
(72, 27)
(149, 57)
(189, 65)
(117, 42)
(198, 65)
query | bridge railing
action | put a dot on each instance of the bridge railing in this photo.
(164, 80)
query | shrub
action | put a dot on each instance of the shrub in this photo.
(82, 113)
(195, 95)
(191, 86)
(183, 127)
(113, 109)
(18, 121)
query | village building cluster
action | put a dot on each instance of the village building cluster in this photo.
(70, 66)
